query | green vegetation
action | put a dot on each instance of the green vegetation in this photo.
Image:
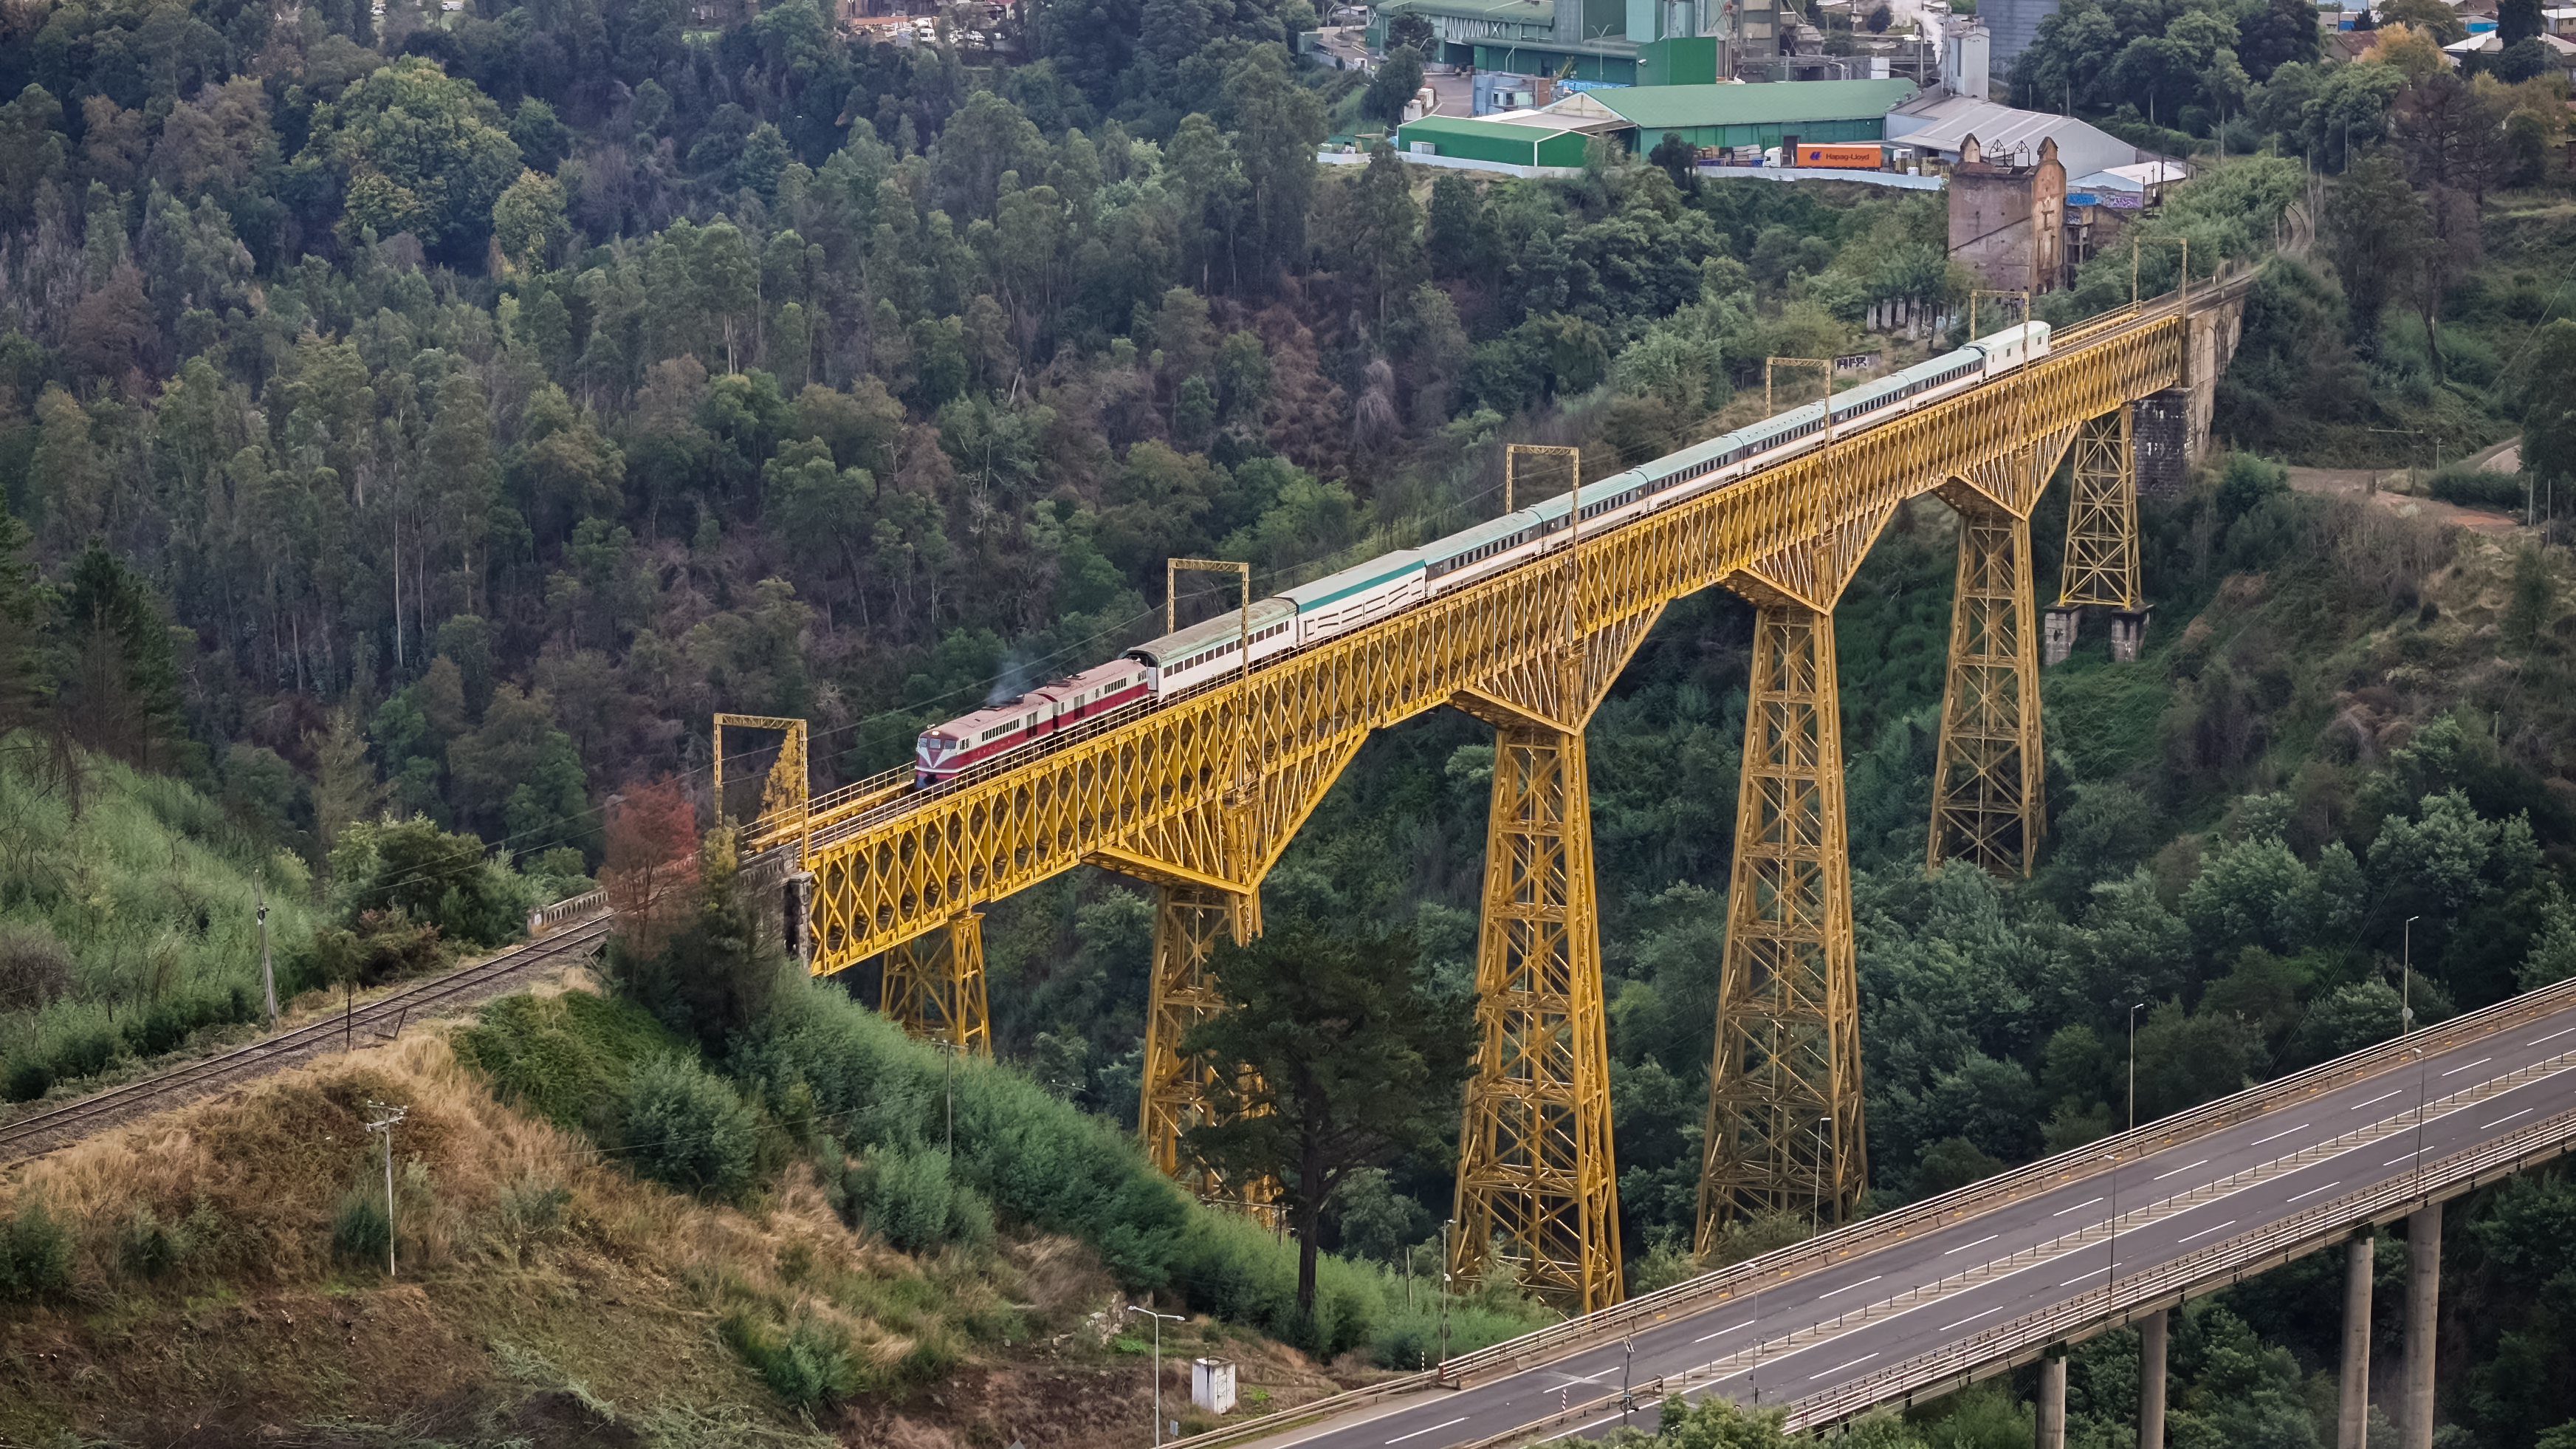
(1337, 1052)
(128, 915)
(420, 423)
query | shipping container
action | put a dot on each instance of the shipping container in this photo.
(1842, 158)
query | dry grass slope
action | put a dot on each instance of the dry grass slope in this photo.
(543, 1293)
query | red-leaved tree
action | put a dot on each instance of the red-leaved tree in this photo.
(651, 873)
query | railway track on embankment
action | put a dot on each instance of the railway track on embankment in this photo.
(382, 1019)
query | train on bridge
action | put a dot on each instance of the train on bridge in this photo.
(1207, 652)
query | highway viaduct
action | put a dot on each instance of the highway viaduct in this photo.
(1905, 1307)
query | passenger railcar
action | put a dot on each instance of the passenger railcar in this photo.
(1311, 613)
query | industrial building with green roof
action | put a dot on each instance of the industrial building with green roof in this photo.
(1758, 115)
(1502, 142)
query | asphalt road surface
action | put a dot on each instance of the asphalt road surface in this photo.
(1433, 1419)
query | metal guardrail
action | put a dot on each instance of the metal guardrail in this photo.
(1871, 1234)
(546, 920)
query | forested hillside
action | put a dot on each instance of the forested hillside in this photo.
(415, 424)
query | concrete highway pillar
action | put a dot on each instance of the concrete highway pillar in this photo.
(2151, 1381)
(2423, 1306)
(2352, 1430)
(2052, 1400)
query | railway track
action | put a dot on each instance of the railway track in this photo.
(379, 1020)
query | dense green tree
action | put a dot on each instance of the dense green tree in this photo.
(1389, 91)
(120, 681)
(413, 149)
(2375, 229)
(528, 219)
(2549, 408)
(1332, 1051)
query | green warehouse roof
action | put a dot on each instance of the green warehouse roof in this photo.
(1774, 103)
(1524, 12)
(1496, 141)
(1431, 128)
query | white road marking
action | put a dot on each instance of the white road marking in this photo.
(2186, 1167)
(1979, 1243)
(2553, 1036)
(2205, 1232)
(2464, 1066)
(1971, 1318)
(2312, 1192)
(1838, 1368)
(2078, 1278)
(1588, 1378)
(2277, 1136)
(1847, 1287)
(2507, 1117)
(1748, 1323)
(2373, 1102)
(2088, 1202)
(1418, 1433)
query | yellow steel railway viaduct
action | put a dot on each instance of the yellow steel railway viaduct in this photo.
(1200, 795)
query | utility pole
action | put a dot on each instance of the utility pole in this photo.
(384, 1122)
(267, 971)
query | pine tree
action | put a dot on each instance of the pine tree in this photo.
(120, 678)
(1333, 1053)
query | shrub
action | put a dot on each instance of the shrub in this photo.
(686, 1127)
(906, 1196)
(75, 1052)
(150, 1248)
(431, 876)
(167, 1024)
(1038, 1160)
(35, 1253)
(34, 967)
(566, 1058)
(1229, 1266)
(381, 945)
(360, 1230)
(806, 1365)
(29, 1079)
(2469, 487)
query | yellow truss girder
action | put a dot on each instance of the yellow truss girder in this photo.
(934, 986)
(784, 798)
(1987, 800)
(1201, 794)
(2102, 518)
(1784, 1105)
(1149, 788)
(1986, 783)
(1189, 920)
(1537, 1182)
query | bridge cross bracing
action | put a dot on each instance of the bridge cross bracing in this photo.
(1201, 794)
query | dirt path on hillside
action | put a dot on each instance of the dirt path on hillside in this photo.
(2359, 483)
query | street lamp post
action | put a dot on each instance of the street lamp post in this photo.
(1159, 1319)
(2133, 1064)
(1824, 1145)
(2406, 1025)
(2111, 1271)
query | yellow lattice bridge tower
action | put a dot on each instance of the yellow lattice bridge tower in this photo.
(1201, 794)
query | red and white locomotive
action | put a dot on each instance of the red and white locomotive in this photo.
(997, 730)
